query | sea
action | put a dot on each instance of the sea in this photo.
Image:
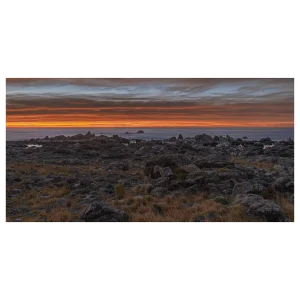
(276, 134)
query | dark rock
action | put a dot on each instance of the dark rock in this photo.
(253, 150)
(191, 168)
(266, 141)
(248, 187)
(15, 192)
(143, 188)
(175, 185)
(192, 189)
(62, 201)
(159, 192)
(18, 220)
(191, 204)
(283, 185)
(158, 209)
(62, 150)
(180, 137)
(216, 162)
(172, 139)
(140, 131)
(141, 152)
(264, 210)
(102, 212)
(200, 219)
(203, 137)
(162, 161)
(162, 172)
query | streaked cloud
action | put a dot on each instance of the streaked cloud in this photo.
(150, 102)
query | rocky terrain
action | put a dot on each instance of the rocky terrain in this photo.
(100, 178)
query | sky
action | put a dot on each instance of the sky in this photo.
(149, 102)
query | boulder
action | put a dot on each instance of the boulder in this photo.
(102, 212)
(264, 210)
(248, 187)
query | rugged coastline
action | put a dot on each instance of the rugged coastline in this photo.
(98, 178)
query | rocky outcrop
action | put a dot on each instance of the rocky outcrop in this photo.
(102, 212)
(264, 210)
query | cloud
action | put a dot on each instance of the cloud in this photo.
(259, 102)
(200, 90)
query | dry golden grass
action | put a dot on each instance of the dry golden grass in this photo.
(287, 207)
(60, 215)
(259, 164)
(145, 209)
(172, 209)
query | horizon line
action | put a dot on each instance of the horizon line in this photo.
(141, 127)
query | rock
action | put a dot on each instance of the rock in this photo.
(102, 212)
(18, 220)
(158, 209)
(140, 131)
(200, 219)
(180, 137)
(162, 161)
(213, 162)
(191, 204)
(245, 138)
(191, 168)
(252, 150)
(283, 185)
(138, 198)
(34, 172)
(141, 152)
(158, 172)
(15, 192)
(264, 210)
(192, 189)
(266, 141)
(62, 201)
(248, 187)
(172, 139)
(165, 172)
(159, 192)
(62, 150)
(89, 135)
(143, 188)
(125, 167)
(175, 185)
(203, 137)
(89, 199)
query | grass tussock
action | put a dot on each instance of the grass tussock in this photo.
(287, 207)
(119, 191)
(258, 164)
(179, 209)
(60, 215)
(223, 170)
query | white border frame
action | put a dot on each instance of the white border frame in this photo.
(189, 77)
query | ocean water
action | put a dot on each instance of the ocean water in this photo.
(276, 134)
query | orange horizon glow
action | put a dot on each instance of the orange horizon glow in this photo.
(163, 124)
